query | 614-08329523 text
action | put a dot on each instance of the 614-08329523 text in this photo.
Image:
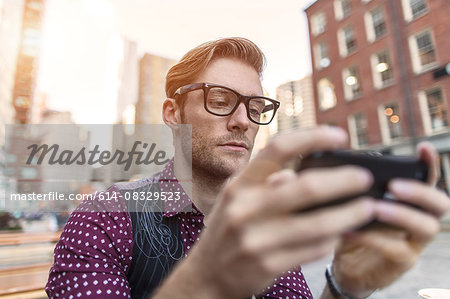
(113, 195)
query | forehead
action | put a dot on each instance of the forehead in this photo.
(232, 73)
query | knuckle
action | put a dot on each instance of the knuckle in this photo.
(233, 219)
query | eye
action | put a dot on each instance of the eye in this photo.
(256, 107)
(218, 101)
(254, 112)
(219, 98)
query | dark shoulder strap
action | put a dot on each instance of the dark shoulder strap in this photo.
(157, 243)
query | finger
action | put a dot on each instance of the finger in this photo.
(281, 177)
(428, 154)
(421, 195)
(295, 230)
(310, 189)
(284, 147)
(314, 187)
(284, 259)
(421, 227)
(387, 243)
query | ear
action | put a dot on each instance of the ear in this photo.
(171, 112)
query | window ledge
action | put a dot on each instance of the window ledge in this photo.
(427, 68)
(317, 34)
(418, 17)
(326, 109)
(353, 99)
(349, 53)
(439, 131)
(386, 85)
(320, 68)
(394, 141)
(375, 39)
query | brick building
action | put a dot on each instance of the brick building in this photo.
(380, 70)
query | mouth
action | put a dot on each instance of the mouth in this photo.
(235, 146)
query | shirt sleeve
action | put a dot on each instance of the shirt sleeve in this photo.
(94, 252)
(290, 284)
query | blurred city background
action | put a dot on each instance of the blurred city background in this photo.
(377, 68)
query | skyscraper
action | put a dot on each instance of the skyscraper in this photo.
(28, 60)
(152, 74)
(297, 105)
(11, 13)
(128, 79)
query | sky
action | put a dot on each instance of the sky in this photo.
(78, 35)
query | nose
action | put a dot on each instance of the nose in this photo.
(239, 120)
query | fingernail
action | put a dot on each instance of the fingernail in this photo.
(365, 176)
(338, 134)
(400, 187)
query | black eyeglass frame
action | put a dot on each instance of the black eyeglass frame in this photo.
(240, 99)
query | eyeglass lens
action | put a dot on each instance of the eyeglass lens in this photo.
(222, 101)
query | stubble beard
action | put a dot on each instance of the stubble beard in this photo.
(205, 160)
(206, 164)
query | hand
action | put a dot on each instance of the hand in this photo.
(373, 259)
(255, 231)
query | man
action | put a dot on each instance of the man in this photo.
(244, 236)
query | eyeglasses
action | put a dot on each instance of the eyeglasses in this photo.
(222, 101)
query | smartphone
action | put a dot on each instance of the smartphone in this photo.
(383, 168)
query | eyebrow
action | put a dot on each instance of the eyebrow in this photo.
(251, 95)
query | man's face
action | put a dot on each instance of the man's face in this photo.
(221, 145)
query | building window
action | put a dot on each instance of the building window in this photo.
(418, 7)
(426, 48)
(413, 9)
(434, 110)
(423, 52)
(357, 125)
(352, 83)
(318, 23)
(381, 69)
(327, 96)
(389, 122)
(347, 41)
(322, 59)
(375, 24)
(342, 8)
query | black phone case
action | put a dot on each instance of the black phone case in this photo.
(383, 169)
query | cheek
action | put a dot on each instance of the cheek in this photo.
(253, 130)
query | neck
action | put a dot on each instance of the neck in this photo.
(205, 190)
(201, 188)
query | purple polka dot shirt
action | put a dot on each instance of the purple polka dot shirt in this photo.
(94, 253)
